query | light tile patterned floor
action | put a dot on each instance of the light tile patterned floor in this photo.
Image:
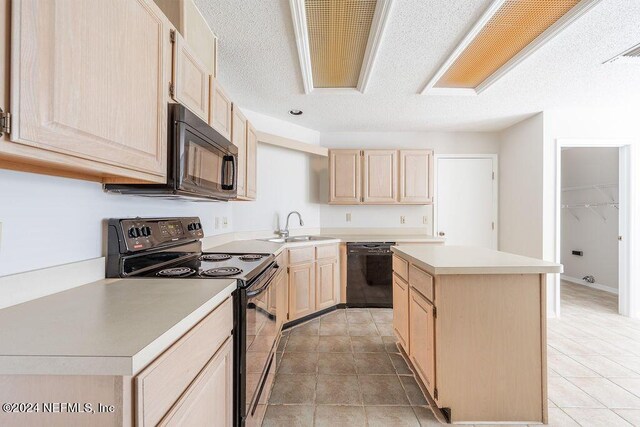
(594, 361)
(345, 369)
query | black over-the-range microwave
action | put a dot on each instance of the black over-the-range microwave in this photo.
(201, 163)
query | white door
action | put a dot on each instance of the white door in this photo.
(466, 201)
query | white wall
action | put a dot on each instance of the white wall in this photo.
(332, 216)
(598, 239)
(48, 221)
(287, 180)
(520, 201)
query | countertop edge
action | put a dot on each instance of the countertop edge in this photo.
(435, 271)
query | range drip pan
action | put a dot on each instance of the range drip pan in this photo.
(176, 272)
(221, 272)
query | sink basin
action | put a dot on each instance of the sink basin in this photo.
(297, 239)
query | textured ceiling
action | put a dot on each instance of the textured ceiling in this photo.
(258, 65)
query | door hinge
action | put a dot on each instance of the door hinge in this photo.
(172, 36)
(435, 393)
(493, 175)
(493, 225)
(620, 238)
(5, 122)
(171, 89)
(435, 312)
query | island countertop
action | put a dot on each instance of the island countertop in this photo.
(442, 259)
(109, 327)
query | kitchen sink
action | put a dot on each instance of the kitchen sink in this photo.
(298, 239)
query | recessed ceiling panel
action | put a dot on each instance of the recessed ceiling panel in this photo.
(338, 35)
(513, 26)
(337, 41)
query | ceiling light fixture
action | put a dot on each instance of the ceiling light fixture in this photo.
(507, 33)
(337, 42)
(295, 112)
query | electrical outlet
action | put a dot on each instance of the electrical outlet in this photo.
(217, 222)
(425, 220)
(348, 216)
(224, 222)
(402, 219)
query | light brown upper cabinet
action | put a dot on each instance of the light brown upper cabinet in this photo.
(219, 109)
(239, 139)
(344, 176)
(187, 19)
(252, 162)
(190, 86)
(416, 185)
(89, 89)
(380, 176)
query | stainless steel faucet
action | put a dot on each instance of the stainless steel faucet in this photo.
(285, 232)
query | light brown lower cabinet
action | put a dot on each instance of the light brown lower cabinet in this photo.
(209, 399)
(189, 384)
(326, 283)
(401, 311)
(476, 341)
(302, 290)
(421, 338)
(314, 279)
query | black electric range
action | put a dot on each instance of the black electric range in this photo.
(170, 248)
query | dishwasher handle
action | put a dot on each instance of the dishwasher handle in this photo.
(373, 248)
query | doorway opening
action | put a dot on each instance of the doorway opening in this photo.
(590, 229)
(592, 226)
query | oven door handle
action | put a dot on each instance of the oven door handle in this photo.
(253, 293)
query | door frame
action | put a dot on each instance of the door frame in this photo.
(627, 305)
(494, 159)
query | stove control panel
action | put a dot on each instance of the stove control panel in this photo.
(147, 233)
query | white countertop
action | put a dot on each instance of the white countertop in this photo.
(442, 259)
(263, 246)
(109, 327)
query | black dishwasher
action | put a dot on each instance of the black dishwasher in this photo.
(369, 274)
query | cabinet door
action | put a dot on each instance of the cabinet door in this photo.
(401, 311)
(272, 300)
(416, 176)
(327, 290)
(90, 81)
(252, 163)
(344, 176)
(220, 109)
(380, 176)
(190, 79)
(209, 399)
(302, 291)
(239, 139)
(282, 298)
(421, 338)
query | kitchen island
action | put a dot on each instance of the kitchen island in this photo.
(472, 322)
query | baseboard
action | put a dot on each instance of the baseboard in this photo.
(597, 286)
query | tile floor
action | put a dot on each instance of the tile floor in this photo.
(594, 361)
(345, 369)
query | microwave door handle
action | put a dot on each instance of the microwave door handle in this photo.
(226, 160)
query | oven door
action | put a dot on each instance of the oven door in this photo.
(203, 167)
(261, 336)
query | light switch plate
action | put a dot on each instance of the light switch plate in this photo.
(425, 219)
(349, 217)
(402, 219)
(224, 222)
